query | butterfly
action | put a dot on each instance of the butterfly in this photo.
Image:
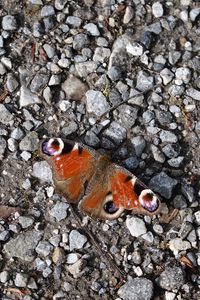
(101, 188)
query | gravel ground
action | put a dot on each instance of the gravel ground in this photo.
(64, 65)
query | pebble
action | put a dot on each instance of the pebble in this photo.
(145, 82)
(74, 21)
(17, 133)
(80, 41)
(139, 145)
(3, 146)
(136, 226)
(96, 103)
(92, 29)
(177, 244)
(171, 278)
(58, 256)
(21, 280)
(25, 222)
(5, 115)
(168, 136)
(85, 68)
(101, 54)
(136, 289)
(23, 245)
(183, 74)
(29, 142)
(166, 76)
(157, 9)
(157, 154)
(72, 258)
(44, 248)
(47, 10)
(9, 23)
(76, 240)
(27, 97)
(11, 83)
(134, 49)
(59, 211)
(114, 73)
(115, 132)
(193, 93)
(197, 217)
(4, 276)
(42, 171)
(163, 184)
(194, 13)
(74, 88)
(176, 162)
(4, 235)
(39, 82)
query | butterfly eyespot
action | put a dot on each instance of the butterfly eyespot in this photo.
(110, 207)
(52, 147)
(149, 201)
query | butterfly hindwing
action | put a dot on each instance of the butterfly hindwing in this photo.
(72, 163)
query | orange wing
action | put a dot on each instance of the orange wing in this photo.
(72, 165)
(108, 195)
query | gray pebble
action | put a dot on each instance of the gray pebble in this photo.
(193, 93)
(188, 191)
(5, 115)
(197, 217)
(54, 80)
(42, 171)
(59, 211)
(131, 163)
(21, 280)
(92, 29)
(85, 68)
(25, 222)
(27, 97)
(74, 21)
(145, 82)
(194, 13)
(11, 83)
(155, 28)
(166, 76)
(29, 142)
(39, 82)
(47, 10)
(70, 128)
(44, 248)
(80, 41)
(76, 240)
(2, 69)
(60, 4)
(1, 42)
(23, 245)
(114, 73)
(4, 235)
(171, 278)
(157, 154)
(171, 150)
(101, 54)
(157, 9)
(96, 103)
(38, 29)
(9, 23)
(148, 115)
(115, 132)
(17, 134)
(176, 162)
(139, 144)
(183, 74)
(3, 146)
(4, 276)
(174, 57)
(136, 289)
(134, 49)
(136, 226)
(163, 184)
(179, 202)
(168, 136)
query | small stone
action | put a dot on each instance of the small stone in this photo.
(50, 51)
(129, 13)
(74, 88)
(163, 184)
(11, 83)
(54, 80)
(174, 57)
(25, 222)
(25, 155)
(157, 154)
(183, 74)
(96, 103)
(39, 82)
(1, 42)
(171, 150)
(32, 284)
(86, 68)
(114, 73)
(194, 13)
(166, 76)
(193, 93)
(136, 226)
(4, 276)
(170, 296)
(72, 258)
(92, 29)
(58, 256)
(145, 82)
(27, 97)
(26, 184)
(168, 137)
(23, 245)
(197, 217)
(76, 268)
(139, 145)
(115, 132)
(80, 40)
(134, 49)
(136, 289)
(176, 162)
(59, 211)
(4, 235)
(29, 142)
(3, 146)
(74, 21)
(2, 69)
(171, 278)
(131, 163)
(188, 192)
(76, 240)
(17, 134)
(157, 9)
(101, 54)
(21, 280)
(43, 248)
(12, 144)
(70, 128)
(42, 171)
(47, 10)
(9, 23)
(177, 244)
(5, 116)
(7, 62)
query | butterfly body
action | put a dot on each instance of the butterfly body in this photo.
(101, 188)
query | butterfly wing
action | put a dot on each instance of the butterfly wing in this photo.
(109, 194)
(72, 164)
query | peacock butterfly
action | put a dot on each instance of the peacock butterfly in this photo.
(101, 188)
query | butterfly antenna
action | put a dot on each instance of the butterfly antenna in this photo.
(106, 256)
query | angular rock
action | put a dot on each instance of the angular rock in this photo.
(115, 132)
(163, 184)
(136, 289)
(136, 226)
(5, 115)
(172, 278)
(59, 211)
(145, 82)
(76, 240)
(29, 142)
(96, 103)
(42, 171)
(9, 23)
